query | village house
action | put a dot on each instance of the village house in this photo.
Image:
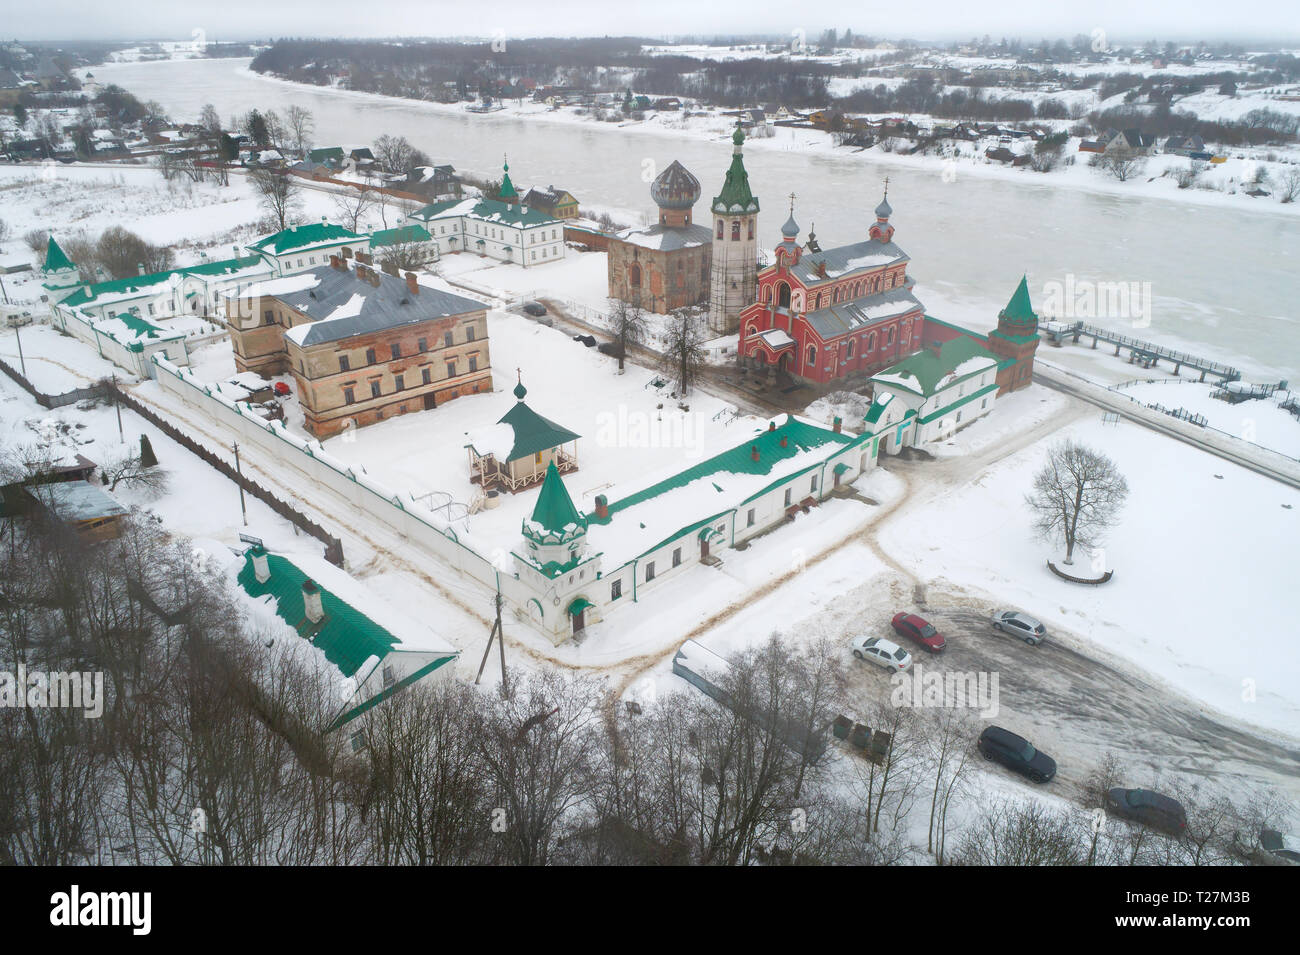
(325, 609)
(667, 265)
(555, 202)
(302, 247)
(85, 508)
(361, 345)
(403, 246)
(433, 182)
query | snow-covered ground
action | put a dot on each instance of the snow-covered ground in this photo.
(1203, 557)
(1259, 420)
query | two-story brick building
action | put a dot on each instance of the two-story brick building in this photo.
(362, 345)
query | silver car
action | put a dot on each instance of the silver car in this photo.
(881, 652)
(1020, 625)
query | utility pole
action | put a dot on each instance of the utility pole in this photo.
(242, 506)
(498, 635)
(18, 335)
(118, 408)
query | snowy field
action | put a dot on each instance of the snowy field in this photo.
(1193, 524)
(1259, 420)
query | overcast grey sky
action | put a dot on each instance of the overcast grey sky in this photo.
(1123, 20)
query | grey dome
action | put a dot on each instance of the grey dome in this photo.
(675, 188)
(791, 228)
(884, 211)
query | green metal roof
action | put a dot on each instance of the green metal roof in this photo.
(554, 509)
(138, 283)
(800, 436)
(347, 636)
(326, 153)
(1018, 310)
(486, 210)
(300, 237)
(578, 605)
(406, 233)
(928, 369)
(55, 259)
(735, 189)
(533, 433)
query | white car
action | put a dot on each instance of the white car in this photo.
(881, 652)
(1020, 625)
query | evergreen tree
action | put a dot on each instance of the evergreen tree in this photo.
(147, 458)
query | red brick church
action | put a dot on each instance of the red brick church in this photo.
(850, 311)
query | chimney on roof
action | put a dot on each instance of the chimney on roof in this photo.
(412, 285)
(771, 426)
(753, 451)
(373, 276)
(261, 566)
(602, 506)
(337, 263)
(837, 425)
(784, 440)
(311, 601)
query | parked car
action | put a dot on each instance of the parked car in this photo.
(1280, 845)
(918, 631)
(1016, 753)
(613, 349)
(534, 308)
(588, 340)
(1149, 808)
(881, 652)
(1020, 625)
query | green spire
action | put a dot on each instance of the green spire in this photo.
(55, 259)
(507, 187)
(735, 195)
(1018, 310)
(554, 510)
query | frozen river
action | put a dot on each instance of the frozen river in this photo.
(1223, 281)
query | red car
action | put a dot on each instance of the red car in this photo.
(918, 631)
(280, 388)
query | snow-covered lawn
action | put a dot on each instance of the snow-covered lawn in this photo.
(1204, 559)
(55, 362)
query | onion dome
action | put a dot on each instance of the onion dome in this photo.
(675, 188)
(884, 210)
(791, 228)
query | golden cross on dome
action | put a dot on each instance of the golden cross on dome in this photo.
(886, 187)
(792, 198)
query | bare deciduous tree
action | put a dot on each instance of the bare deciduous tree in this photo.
(352, 203)
(628, 325)
(683, 355)
(300, 125)
(277, 193)
(1077, 495)
(1122, 162)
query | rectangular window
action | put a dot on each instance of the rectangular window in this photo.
(749, 518)
(370, 356)
(389, 677)
(374, 388)
(469, 333)
(426, 375)
(269, 317)
(349, 396)
(650, 571)
(616, 590)
(423, 344)
(447, 340)
(788, 492)
(399, 382)
(677, 556)
(473, 362)
(343, 363)
(395, 350)
(451, 369)
(814, 482)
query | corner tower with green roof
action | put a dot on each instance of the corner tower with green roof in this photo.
(508, 193)
(734, 275)
(1016, 338)
(60, 275)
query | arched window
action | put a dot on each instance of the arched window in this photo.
(889, 336)
(871, 342)
(719, 228)
(848, 349)
(810, 357)
(750, 330)
(735, 230)
(783, 295)
(634, 276)
(751, 228)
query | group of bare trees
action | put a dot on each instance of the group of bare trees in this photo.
(117, 253)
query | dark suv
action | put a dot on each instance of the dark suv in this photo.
(1148, 808)
(1016, 753)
